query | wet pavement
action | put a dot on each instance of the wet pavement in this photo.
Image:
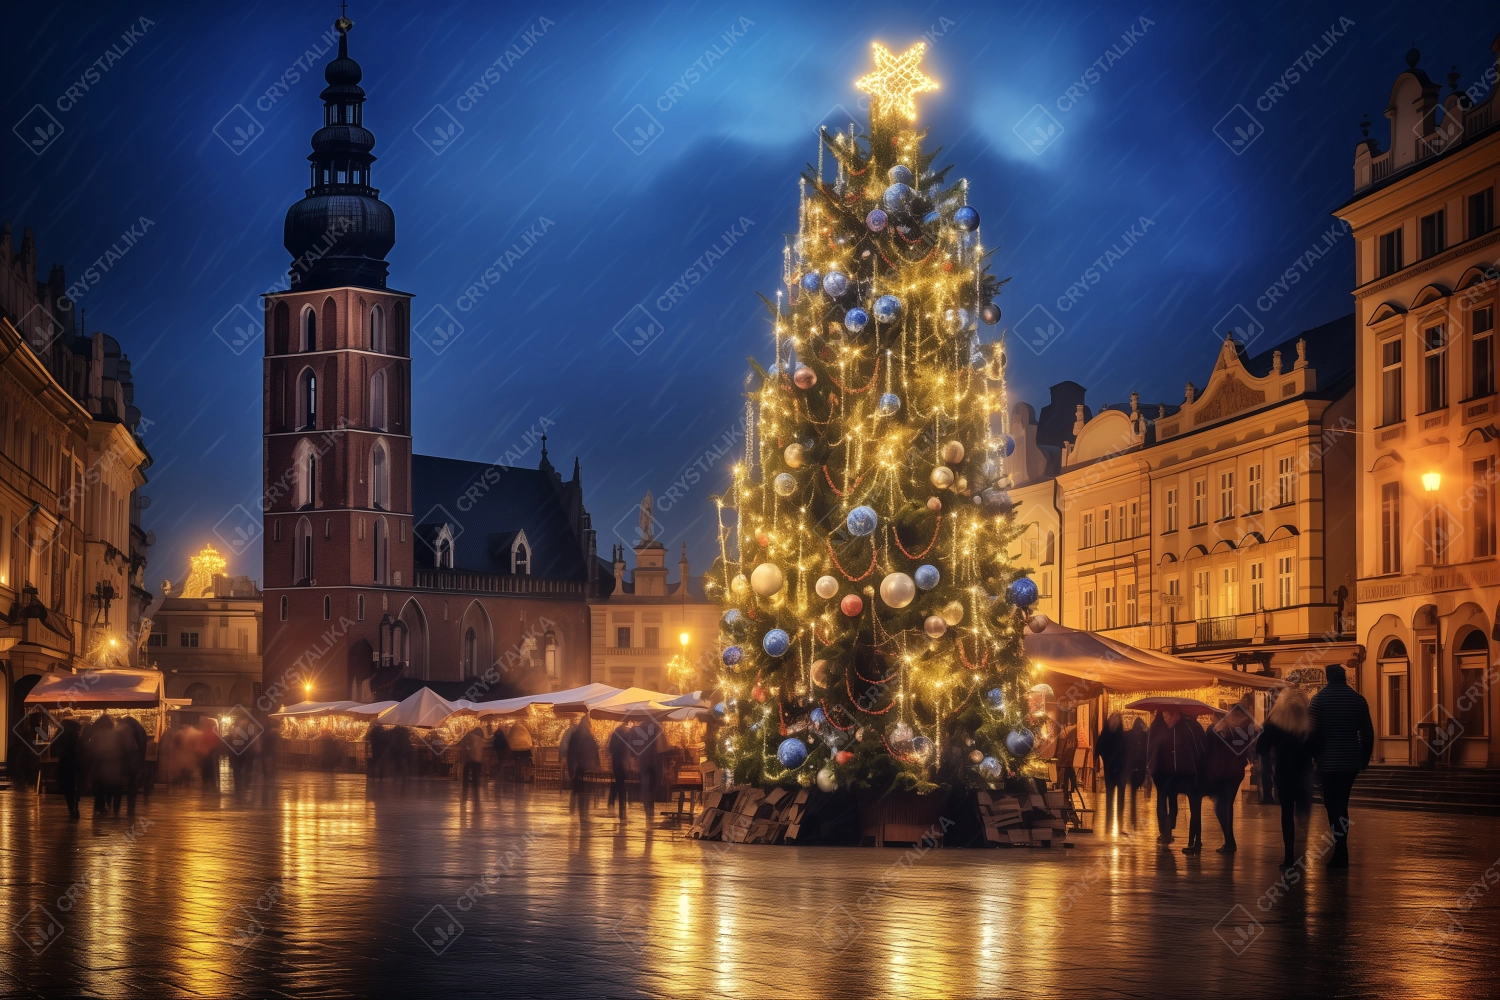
(320, 889)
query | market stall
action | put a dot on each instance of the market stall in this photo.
(84, 696)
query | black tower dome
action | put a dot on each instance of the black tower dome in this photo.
(340, 233)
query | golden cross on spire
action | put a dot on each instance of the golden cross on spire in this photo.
(896, 81)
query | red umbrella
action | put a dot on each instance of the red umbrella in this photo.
(1187, 706)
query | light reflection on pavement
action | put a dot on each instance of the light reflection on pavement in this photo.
(321, 888)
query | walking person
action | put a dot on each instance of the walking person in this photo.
(105, 765)
(618, 749)
(1225, 756)
(503, 758)
(68, 749)
(583, 757)
(131, 737)
(1135, 765)
(1111, 752)
(1175, 763)
(1343, 740)
(471, 754)
(521, 745)
(650, 763)
(1285, 741)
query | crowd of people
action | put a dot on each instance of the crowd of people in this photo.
(1330, 735)
(108, 757)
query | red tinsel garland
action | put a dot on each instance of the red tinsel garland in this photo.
(857, 480)
(920, 555)
(845, 572)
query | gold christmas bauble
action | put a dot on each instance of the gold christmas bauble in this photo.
(766, 579)
(942, 477)
(953, 452)
(953, 613)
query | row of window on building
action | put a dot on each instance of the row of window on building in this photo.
(1439, 529)
(1121, 522)
(1216, 594)
(1433, 232)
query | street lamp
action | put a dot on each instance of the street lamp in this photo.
(683, 638)
(1432, 481)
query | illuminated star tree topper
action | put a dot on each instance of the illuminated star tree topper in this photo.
(896, 82)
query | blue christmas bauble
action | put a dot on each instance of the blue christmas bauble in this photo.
(887, 308)
(719, 709)
(1020, 742)
(888, 404)
(811, 282)
(921, 747)
(931, 219)
(818, 718)
(791, 753)
(957, 319)
(927, 576)
(732, 617)
(996, 699)
(776, 642)
(990, 768)
(1009, 443)
(861, 521)
(855, 320)
(900, 174)
(836, 284)
(967, 219)
(876, 220)
(733, 655)
(990, 313)
(896, 197)
(1022, 592)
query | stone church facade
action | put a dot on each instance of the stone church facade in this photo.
(385, 570)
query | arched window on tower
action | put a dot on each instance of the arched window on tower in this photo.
(307, 400)
(380, 478)
(309, 329)
(549, 653)
(377, 330)
(470, 640)
(382, 541)
(377, 401)
(302, 567)
(305, 471)
(445, 552)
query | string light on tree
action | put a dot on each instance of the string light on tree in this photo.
(872, 632)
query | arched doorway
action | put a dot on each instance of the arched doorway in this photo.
(476, 648)
(414, 656)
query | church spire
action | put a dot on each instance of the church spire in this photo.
(341, 231)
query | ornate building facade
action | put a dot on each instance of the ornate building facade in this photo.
(72, 461)
(1426, 274)
(386, 570)
(649, 632)
(205, 637)
(1212, 528)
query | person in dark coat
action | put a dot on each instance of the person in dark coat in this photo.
(1175, 763)
(1225, 756)
(106, 764)
(650, 765)
(1343, 740)
(68, 749)
(134, 759)
(1285, 740)
(1135, 764)
(1111, 752)
(503, 757)
(583, 757)
(619, 753)
(471, 754)
(209, 750)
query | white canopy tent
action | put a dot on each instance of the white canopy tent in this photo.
(424, 709)
(1120, 667)
(316, 709)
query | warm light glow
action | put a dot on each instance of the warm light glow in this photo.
(1432, 481)
(896, 81)
(683, 638)
(205, 565)
(307, 688)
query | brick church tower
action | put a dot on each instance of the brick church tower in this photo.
(485, 592)
(337, 397)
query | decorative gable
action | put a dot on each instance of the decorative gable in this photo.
(1232, 390)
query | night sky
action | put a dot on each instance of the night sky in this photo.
(536, 163)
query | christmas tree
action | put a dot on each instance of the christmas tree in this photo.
(873, 618)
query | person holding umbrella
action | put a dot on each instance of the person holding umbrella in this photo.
(1175, 761)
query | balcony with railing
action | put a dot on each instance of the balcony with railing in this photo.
(1457, 126)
